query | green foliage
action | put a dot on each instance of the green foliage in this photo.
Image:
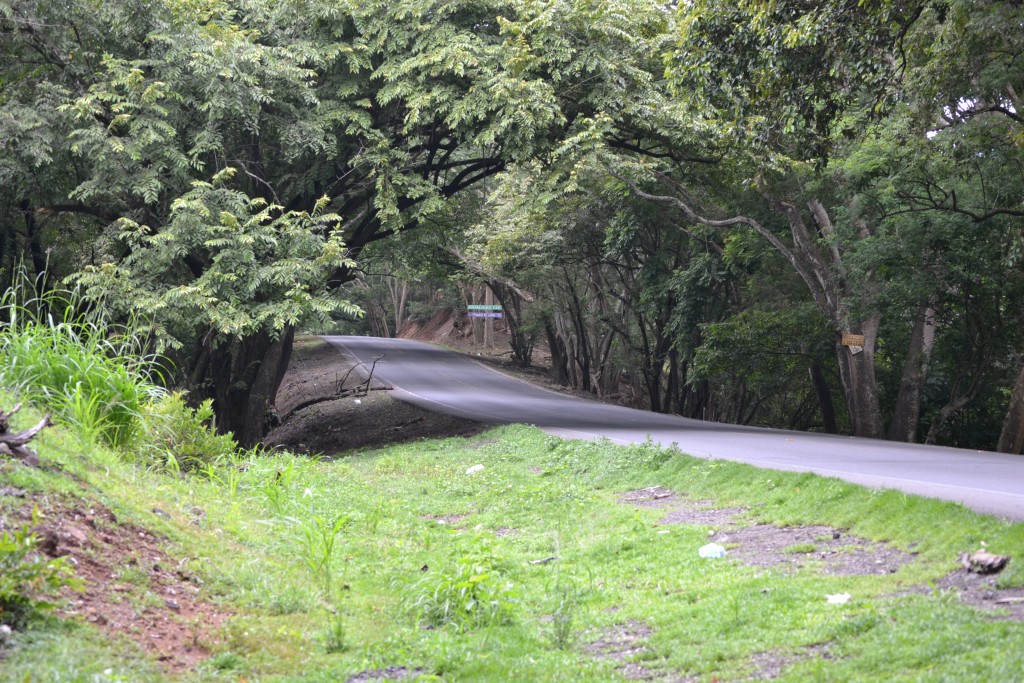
(780, 74)
(180, 438)
(89, 372)
(470, 594)
(25, 574)
(265, 269)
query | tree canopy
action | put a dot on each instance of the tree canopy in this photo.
(694, 206)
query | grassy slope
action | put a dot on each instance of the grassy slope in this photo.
(262, 544)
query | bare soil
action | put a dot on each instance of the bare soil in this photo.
(131, 587)
(369, 418)
(818, 548)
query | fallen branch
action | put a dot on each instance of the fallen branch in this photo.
(358, 391)
(361, 389)
(13, 445)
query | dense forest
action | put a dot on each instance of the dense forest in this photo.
(796, 214)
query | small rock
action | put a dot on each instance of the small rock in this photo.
(72, 535)
(474, 469)
(161, 513)
(172, 604)
(984, 562)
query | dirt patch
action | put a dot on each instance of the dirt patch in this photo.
(979, 591)
(680, 509)
(830, 550)
(621, 642)
(653, 497)
(767, 545)
(702, 513)
(132, 588)
(767, 666)
(391, 673)
(373, 420)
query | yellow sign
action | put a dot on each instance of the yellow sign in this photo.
(853, 339)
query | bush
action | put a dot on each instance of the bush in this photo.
(179, 437)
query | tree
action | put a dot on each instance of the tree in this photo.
(385, 110)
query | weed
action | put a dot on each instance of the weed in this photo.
(471, 594)
(24, 574)
(335, 631)
(275, 488)
(566, 598)
(317, 536)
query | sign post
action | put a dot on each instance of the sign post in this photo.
(854, 341)
(485, 311)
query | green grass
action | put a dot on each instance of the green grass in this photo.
(336, 567)
(58, 353)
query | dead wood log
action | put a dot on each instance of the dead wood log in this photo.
(14, 445)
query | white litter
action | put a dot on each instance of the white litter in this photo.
(474, 469)
(838, 598)
(711, 550)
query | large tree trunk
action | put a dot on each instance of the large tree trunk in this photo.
(1011, 440)
(824, 395)
(246, 374)
(857, 371)
(399, 291)
(903, 426)
(559, 357)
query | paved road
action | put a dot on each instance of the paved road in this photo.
(442, 381)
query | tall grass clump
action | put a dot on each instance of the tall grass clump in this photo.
(64, 356)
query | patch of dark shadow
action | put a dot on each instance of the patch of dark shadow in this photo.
(653, 497)
(833, 552)
(979, 591)
(767, 666)
(444, 519)
(391, 673)
(699, 512)
(622, 642)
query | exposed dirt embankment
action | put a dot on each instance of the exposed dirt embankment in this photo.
(364, 419)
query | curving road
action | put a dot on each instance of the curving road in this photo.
(443, 381)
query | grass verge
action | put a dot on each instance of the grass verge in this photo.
(397, 564)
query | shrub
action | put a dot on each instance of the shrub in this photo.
(180, 437)
(24, 574)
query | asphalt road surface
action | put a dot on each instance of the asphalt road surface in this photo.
(442, 381)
